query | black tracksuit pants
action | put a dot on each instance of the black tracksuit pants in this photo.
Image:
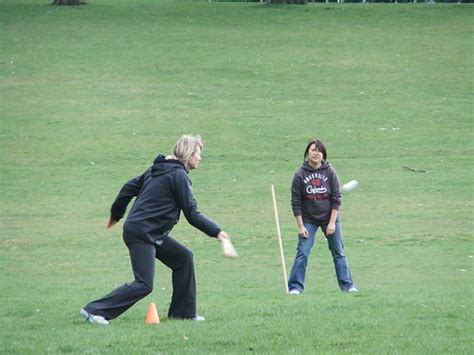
(142, 254)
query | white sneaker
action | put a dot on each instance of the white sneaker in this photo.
(198, 318)
(92, 318)
(294, 292)
(353, 289)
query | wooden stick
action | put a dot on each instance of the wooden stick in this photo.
(282, 255)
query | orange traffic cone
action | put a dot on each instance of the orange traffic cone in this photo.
(152, 315)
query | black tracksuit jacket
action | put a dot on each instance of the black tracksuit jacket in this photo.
(162, 192)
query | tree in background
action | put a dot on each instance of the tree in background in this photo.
(300, 2)
(67, 2)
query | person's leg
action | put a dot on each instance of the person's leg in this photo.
(119, 300)
(180, 260)
(303, 249)
(336, 246)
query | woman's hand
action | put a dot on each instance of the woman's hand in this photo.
(111, 222)
(227, 248)
(222, 235)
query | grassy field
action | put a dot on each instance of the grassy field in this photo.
(89, 96)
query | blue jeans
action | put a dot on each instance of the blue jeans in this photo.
(303, 249)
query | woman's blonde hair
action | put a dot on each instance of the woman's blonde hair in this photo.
(186, 146)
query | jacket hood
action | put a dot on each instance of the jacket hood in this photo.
(161, 165)
(307, 167)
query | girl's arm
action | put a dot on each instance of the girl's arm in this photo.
(331, 227)
(302, 231)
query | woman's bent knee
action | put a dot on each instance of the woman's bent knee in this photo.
(142, 288)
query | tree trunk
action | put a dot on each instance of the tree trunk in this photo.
(299, 2)
(67, 2)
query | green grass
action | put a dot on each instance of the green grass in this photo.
(90, 94)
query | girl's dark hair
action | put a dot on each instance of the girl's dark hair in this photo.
(319, 145)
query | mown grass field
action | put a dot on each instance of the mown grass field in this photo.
(89, 96)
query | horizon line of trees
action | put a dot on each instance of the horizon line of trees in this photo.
(296, 2)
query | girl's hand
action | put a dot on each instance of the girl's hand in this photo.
(330, 229)
(303, 232)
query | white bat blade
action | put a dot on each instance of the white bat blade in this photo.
(228, 249)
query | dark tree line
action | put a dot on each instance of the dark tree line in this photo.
(67, 2)
(300, 2)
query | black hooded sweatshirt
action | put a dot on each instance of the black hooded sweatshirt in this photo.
(315, 192)
(162, 192)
